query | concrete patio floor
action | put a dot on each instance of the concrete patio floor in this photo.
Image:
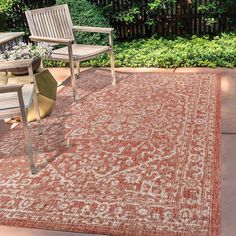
(228, 196)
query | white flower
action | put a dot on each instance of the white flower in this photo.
(27, 51)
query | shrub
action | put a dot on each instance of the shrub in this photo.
(84, 13)
(3, 20)
(14, 10)
(130, 11)
(172, 53)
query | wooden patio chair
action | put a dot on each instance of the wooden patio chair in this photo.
(15, 100)
(54, 25)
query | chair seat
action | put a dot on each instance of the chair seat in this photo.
(81, 52)
(10, 100)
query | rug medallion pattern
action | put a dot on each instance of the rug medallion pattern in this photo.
(138, 158)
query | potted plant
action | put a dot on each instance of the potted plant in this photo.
(23, 51)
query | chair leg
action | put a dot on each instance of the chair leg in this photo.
(29, 144)
(26, 131)
(78, 69)
(73, 82)
(37, 113)
(112, 67)
(72, 72)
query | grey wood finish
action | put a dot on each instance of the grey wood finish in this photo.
(9, 39)
(8, 36)
(54, 25)
(15, 100)
(81, 52)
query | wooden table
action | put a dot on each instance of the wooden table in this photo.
(46, 83)
(9, 39)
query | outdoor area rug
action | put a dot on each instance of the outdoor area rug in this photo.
(139, 158)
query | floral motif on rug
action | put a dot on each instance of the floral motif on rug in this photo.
(138, 158)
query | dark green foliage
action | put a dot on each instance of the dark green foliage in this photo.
(3, 20)
(130, 11)
(150, 7)
(85, 13)
(143, 18)
(179, 52)
(213, 9)
(15, 12)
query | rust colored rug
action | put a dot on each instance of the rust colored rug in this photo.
(143, 159)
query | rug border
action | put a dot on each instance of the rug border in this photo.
(216, 204)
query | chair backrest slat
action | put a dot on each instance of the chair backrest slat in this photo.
(52, 22)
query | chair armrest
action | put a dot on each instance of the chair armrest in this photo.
(52, 40)
(93, 29)
(10, 88)
(5, 65)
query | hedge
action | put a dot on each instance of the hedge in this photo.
(13, 13)
(84, 13)
(172, 53)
